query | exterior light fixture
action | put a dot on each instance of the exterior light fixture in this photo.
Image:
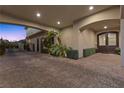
(91, 7)
(58, 22)
(105, 27)
(38, 15)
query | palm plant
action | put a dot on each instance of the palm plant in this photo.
(59, 50)
(48, 40)
(55, 49)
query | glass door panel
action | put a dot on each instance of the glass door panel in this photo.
(107, 42)
(102, 40)
(112, 39)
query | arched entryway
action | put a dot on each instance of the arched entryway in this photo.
(106, 39)
(107, 42)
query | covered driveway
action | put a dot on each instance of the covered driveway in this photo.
(41, 70)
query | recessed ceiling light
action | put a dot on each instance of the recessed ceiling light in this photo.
(58, 22)
(105, 27)
(91, 7)
(38, 15)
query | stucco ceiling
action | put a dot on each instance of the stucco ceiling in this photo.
(50, 14)
(113, 24)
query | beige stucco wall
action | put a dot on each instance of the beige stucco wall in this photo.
(78, 40)
(122, 41)
(66, 36)
(69, 37)
(87, 39)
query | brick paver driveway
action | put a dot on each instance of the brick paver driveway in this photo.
(42, 70)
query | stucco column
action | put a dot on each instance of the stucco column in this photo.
(75, 38)
(122, 42)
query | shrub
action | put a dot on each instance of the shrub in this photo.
(73, 54)
(89, 52)
(59, 50)
(2, 48)
(118, 51)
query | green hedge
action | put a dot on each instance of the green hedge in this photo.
(73, 54)
(118, 51)
(44, 51)
(89, 51)
(2, 50)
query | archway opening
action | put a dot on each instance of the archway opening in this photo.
(15, 36)
(103, 35)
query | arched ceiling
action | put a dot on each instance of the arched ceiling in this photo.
(66, 14)
(112, 24)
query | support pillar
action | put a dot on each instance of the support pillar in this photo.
(122, 42)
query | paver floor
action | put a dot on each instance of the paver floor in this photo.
(26, 69)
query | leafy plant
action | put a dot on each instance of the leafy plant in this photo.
(48, 41)
(57, 49)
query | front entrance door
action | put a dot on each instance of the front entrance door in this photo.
(107, 42)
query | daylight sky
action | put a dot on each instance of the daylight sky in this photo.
(12, 32)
